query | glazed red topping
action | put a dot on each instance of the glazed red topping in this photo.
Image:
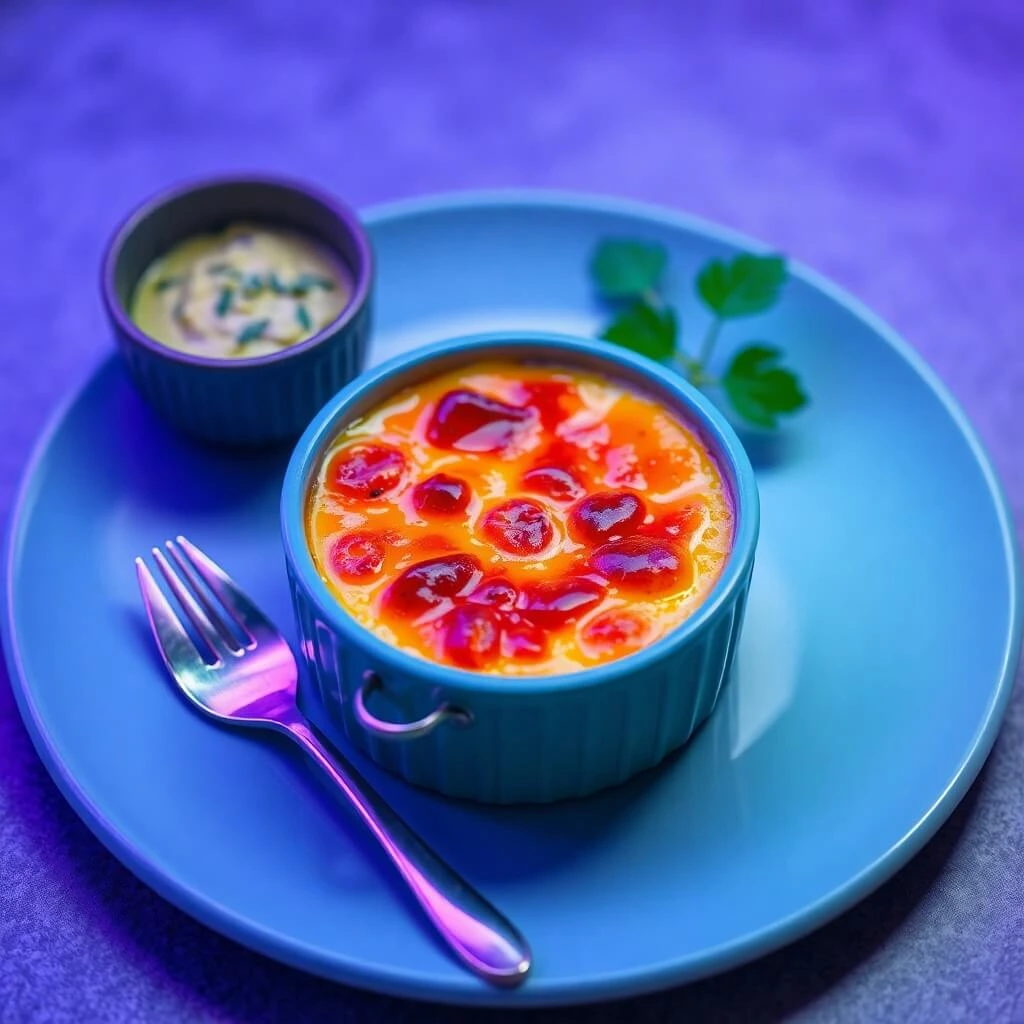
(358, 557)
(606, 515)
(519, 526)
(641, 564)
(524, 641)
(615, 629)
(365, 471)
(426, 584)
(546, 397)
(553, 481)
(441, 495)
(678, 525)
(472, 635)
(553, 603)
(496, 592)
(471, 422)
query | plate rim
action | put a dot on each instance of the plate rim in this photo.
(632, 981)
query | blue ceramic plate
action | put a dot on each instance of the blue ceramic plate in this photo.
(877, 661)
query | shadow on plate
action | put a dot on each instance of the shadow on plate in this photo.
(769, 449)
(161, 468)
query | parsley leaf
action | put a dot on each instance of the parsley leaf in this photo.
(627, 270)
(742, 287)
(644, 329)
(760, 390)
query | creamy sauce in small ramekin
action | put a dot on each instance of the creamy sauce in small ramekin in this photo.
(247, 291)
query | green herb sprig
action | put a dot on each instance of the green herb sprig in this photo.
(628, 275)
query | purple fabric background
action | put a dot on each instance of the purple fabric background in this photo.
(879, 142)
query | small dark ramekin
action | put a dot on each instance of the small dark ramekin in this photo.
(253, 402)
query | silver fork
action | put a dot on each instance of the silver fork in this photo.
(253, 682)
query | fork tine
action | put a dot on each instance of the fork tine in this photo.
(204, 627)
(212, 613)
(238, 604)
(174, 642)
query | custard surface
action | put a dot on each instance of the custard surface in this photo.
(519, 520)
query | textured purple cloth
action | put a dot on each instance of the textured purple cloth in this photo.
(879, 142)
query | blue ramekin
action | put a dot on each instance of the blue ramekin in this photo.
(265, 400)
(523, 739)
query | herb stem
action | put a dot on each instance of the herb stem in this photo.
(694, 372)
(689, 367)
(709, 342)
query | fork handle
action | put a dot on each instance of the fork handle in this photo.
(480, 935)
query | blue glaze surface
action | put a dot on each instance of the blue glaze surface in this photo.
(535, 738)
(866, 696)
